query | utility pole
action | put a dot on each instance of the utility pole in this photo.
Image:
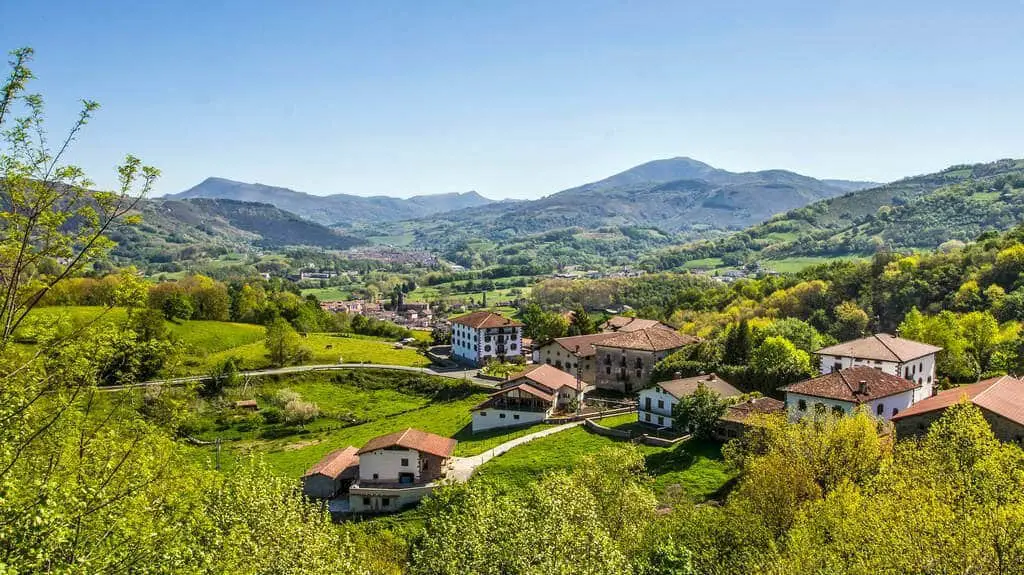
(218, 454)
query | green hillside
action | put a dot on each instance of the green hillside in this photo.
(957, 203)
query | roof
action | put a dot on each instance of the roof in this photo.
(585, 343)
(335, 463)
(844, 385)
(524, 387)
(881, 346)
(413, 439)
(545, 375)
(678, 388)
(483, 319)
(1003, 395)
(650, 339)
(623, 323)
(758, 406)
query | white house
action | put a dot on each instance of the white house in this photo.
(905, 358)
(884, 394)
(480, 336)
(529, 397)
(657, 401)
(399, 469)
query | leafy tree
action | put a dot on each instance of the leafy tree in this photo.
(698, 412)
(541, 325)
(225, 374)
(284, 346)
(738, 344)
(582, 323)
(851, 321)
(777, 362)
(177, 306)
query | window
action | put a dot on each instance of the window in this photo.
(608, 370)
(837, 366)
(647, 403)
(375, 476)
(819, 408)
(639, 363)
(661, 420)
(512, 347)
(838, 410)
(483, 414)
(647, 417)
(880, 410)
(639, 373)
(487, 338)
(608, 359)
(385, 502)
(895, 411)
(515, 416)
(661, 404)
(405, 462)
(366, 501)
(548, 361)
(801, 405)
(487, 348)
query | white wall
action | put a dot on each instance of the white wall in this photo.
(828, 364)
(492, 418)
(387, 464)
(921, 370)
(370, 499)
(653, 418)
(656, 394)
(899, 401)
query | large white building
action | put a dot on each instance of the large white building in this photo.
(529, 397)
(657, 401)
(841, 391)
(912, 360)
(481, 336)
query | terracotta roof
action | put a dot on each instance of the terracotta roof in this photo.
(678, 388)
(413, 439)
(1003, 395)
(761, 405)
(524, 387)
(584, 342)
(650, 339)
(626, 324)
(881, 346)
(844, 385)
(335, 463)
(482, 319)
(545, 375)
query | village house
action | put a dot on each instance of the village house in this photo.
(737, 418)
(332, 474)
(1000, 399)
(657, 401)
(481, 336)
(399, 469)
(624, 362)
(894, 355)
(574, 354)
(529, 397)
(885, 395)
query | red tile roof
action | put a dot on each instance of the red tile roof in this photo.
(758, 406)
(881, 346)
(1003, 395)
(484, 319)
(335, 463)
(650, 339)
(844, 385)
(523, 387)
(585, 343)
(413, 439)
(678, 388)
(544, 375)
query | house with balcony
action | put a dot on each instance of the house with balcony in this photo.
(482, 336)
(624, 362)
(399, 469)
(657, 401)
(841, 391)
(894, 355)
(529, 397)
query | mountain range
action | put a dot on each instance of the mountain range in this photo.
(336, 209)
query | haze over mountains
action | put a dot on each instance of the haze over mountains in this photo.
(336, 209)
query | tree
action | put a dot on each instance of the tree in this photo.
(698, 412)
(543, 326)
(284, 346)
(777, 362)
(225, 374)
(177, 306)
(582, 323)
(298, 412)
(851, 321)
(738, 344)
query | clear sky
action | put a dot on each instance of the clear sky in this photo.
(524, 98)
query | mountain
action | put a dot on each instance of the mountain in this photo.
(957, 203)
(173, 230)
(677, 196)
(338, 209)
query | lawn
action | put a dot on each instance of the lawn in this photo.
(706, 263)
(796, 264)
(695, 466)
(329, 293)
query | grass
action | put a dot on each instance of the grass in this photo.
(476, 443)
(796, 264)
(329, 293)
(706, 263)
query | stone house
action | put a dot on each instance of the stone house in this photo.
(736, 419)
(399, 469)
(527, 398)
(332, 474)
(574, 354)
(1000, 399)
(624, 362)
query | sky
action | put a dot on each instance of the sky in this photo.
(522, 99)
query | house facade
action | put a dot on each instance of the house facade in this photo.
(482, 336)
(399, 469)
(884, 395)
(529, 397)
(574, 355)
(332, 474)
(658, 400)
(624, 362)
(912, 360)
(1000, 399)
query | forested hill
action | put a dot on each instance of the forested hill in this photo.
(172, 230)
(336, 209)
(958, 203)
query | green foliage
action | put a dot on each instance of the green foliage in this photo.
(738, 344)
(543, 326)
(698, 412)
(582, 323)
(283, 344)
(777, 362)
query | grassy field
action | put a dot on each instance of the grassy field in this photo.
(706, 263)
(329, 293)
(695, 466)
(793, 265)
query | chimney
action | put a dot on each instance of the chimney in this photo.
(862, 387)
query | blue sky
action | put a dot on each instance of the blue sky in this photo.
(522, 99)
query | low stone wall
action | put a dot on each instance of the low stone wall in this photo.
(599, 429)
(660, 441)
(595, 427)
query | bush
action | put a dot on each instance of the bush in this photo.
(285, 396)
(300, 412)
(272, 415)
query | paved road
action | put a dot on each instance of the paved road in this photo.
(468, 374)
(463, 467)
